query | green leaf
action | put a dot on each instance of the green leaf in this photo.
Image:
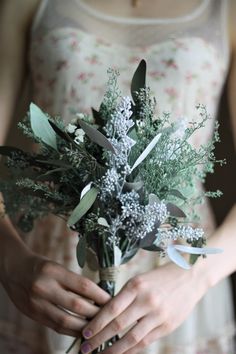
(84, 205)
(97, 117)
(96, 136)
(176, 257)
(129, 255)
(175, 211)
(147, 151)
(153, 248)
(177, 194)
(139, 78)
(61, 133)
(41, 126)
(81, 251)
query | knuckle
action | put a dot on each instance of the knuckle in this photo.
(37, 288)
(113, 308)
(152, 300)
(137, 283)
(167, 327)
(144, 343)
(64, 321)
(132, 338)
(117, 325)
(46, 268)
(84, 285)
(75, 305)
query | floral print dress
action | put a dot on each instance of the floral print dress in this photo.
(72, 46)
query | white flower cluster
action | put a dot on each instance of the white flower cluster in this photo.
(139, 219)
(109, 183)
(117, 129)
(78, 132)
(180, 232)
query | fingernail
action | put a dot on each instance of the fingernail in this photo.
(87, 333)
(86, 348)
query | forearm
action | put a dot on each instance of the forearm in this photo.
(218, 266)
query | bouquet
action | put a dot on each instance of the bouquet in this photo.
(122, 177)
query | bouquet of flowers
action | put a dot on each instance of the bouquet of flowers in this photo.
(123, 178)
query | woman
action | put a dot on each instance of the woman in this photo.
(66, 47)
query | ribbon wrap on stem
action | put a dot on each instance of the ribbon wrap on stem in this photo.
(109, 274)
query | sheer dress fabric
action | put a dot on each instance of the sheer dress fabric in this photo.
(72, 46)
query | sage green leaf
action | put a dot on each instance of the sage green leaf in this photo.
(41, 126)
(153, 248)
(96, 136)
(176, 257)
(84, 205)
(60, 132)
(175, 211)
(139, 78)
(147, 151)
(198, 250)
(177, 194)
(117, 256)
(81, 251)
(129, 255)
(97, 117)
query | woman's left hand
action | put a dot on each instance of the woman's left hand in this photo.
(154, 304)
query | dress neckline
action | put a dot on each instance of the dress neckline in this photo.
(198, 11)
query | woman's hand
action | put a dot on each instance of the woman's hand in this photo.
(154, 304)
(45, 291)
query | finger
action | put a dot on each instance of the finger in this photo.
(147, 340)
(84, 287)
(73, 303)
(124, 320)
(109, 312)
(62, 322)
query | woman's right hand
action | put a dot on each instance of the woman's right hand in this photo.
(45, 291)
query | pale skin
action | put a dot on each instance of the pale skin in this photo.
(48, 288)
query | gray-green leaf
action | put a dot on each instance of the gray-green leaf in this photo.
(84, 205)
(96, 136)
(147, 151)
(41, 126)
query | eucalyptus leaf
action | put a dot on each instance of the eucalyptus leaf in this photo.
(61, 133)
(41, 126)
(117, 256)
(97, 117)
(176, 257)
(175, 211)
(103, 222)
(81, 251)
(139, 78)
(96, 136)
(153, 248)
(198, 250)
(85, 190)
(84, 205)
(129, 255)
(177, 194)
(147, 151)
